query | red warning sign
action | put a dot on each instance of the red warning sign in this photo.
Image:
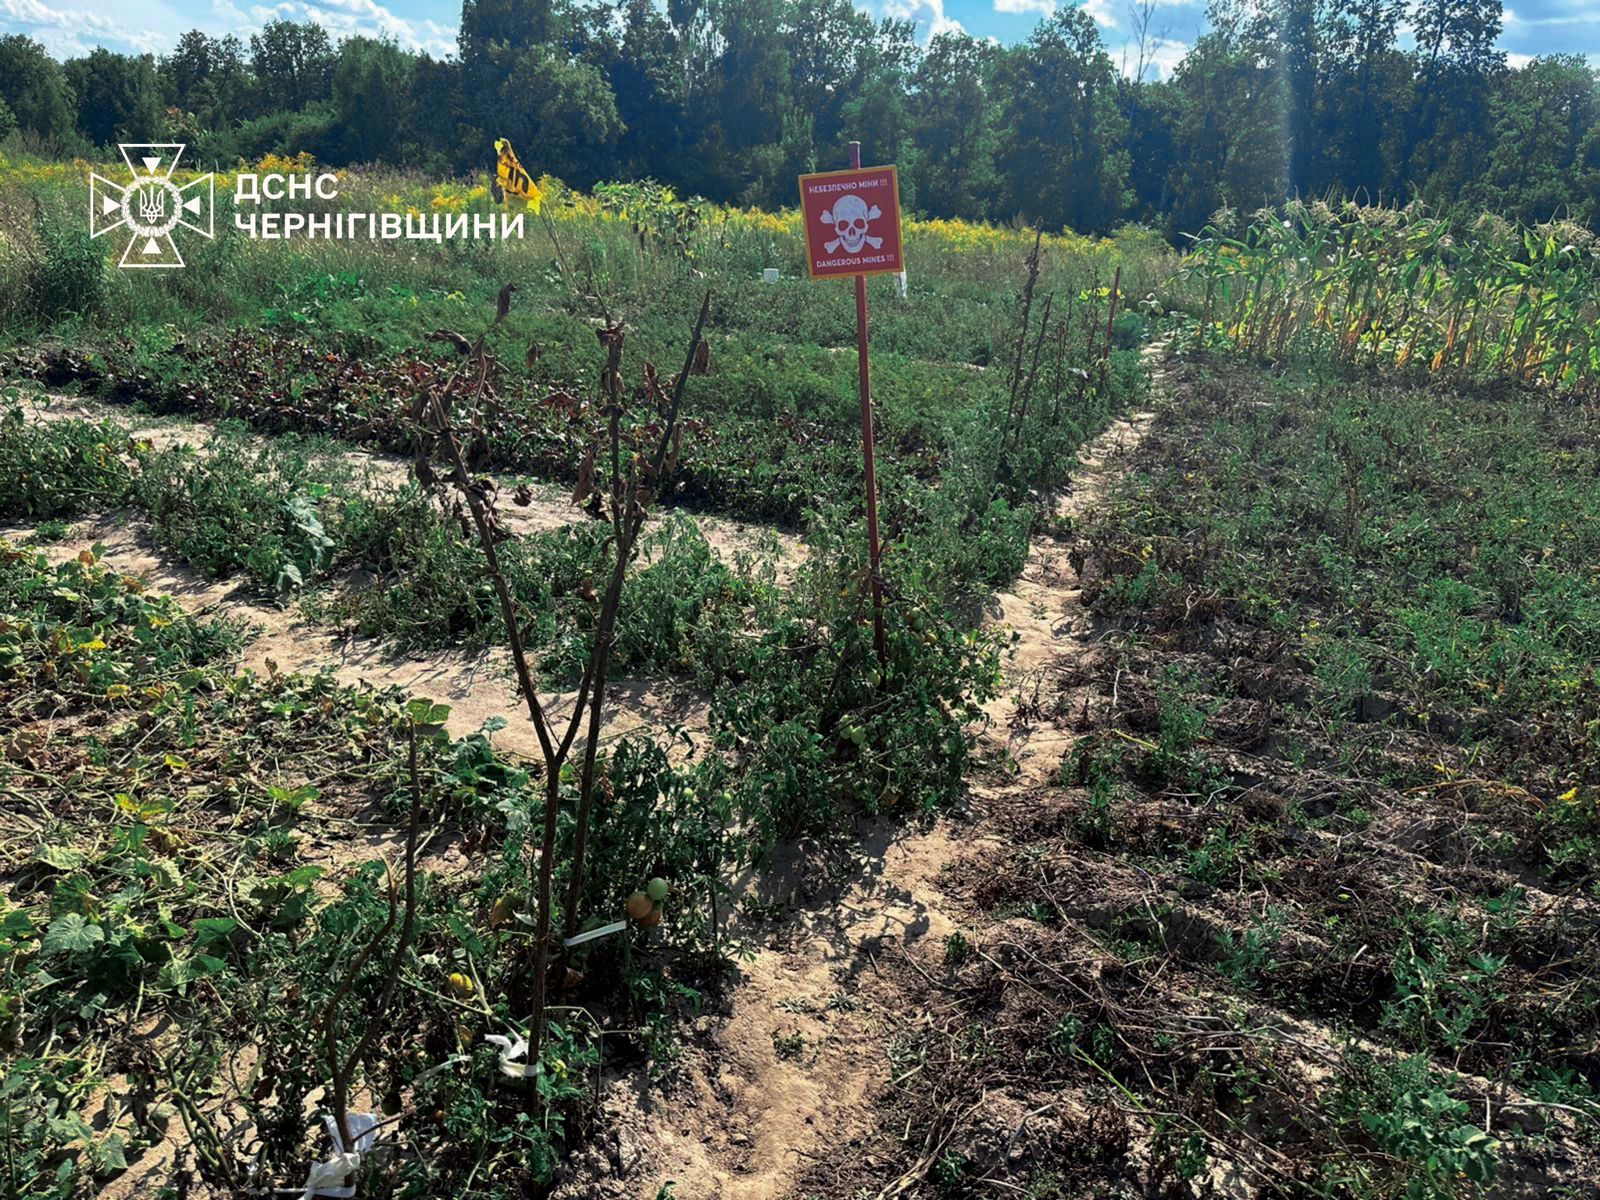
(852, 221)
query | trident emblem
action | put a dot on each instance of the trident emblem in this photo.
(151, 205)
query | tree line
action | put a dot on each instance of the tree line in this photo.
(731, 99)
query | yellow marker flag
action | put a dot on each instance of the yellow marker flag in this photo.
(514, 181)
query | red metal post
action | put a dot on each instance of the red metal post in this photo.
(864, 371)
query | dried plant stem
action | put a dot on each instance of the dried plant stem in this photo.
(1020, 354)
(343, 1069)
(630, 495)
(1033, 373)
(628, 526)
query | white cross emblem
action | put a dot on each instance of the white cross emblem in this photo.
(151, 206)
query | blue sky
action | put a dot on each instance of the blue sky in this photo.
(74, 26)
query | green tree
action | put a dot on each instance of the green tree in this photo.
(439, 134)
(1544, 114)
(371, 96)
(635, 48)
(1365, 83)
(1062, 154)
(875, 110)
(489, 27)
(208, 79)
(846, 82)
(953, 123)
(494, 35)
(1151, 111)
(186, 72)
(1298, 53)
(1231, 138)
(732, 98)
(1445, 138)
(35, 88)
(119, 97)
(559, 112)
(293, 64)
(735, 72)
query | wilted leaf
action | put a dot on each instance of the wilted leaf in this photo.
(62, 858)
(71, 934)
(585, 485)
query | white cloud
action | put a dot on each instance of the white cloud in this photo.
(928, 16)
(1510, 18)
(75, 31)
(347, 18)
(1164, 60)
(1517, 61)
(68, 32)
(1101, 13)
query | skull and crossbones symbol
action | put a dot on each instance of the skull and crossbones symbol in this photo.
(849, 219)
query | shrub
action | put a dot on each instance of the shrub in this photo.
(67, 279)
(241, 506)
(62, 468)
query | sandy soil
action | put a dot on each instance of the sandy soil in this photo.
(477, 686)
(790, 1072)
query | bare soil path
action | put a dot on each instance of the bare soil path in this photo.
(789, 1073)
(477, 686)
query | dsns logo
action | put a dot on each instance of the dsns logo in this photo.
(152, 206)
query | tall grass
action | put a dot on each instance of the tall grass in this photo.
(631, 250)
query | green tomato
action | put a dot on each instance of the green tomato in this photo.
(656, 889)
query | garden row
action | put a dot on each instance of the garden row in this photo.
(772, 431)
(1315, 902)
(181, 857)
(805, 731)
(296, 519)
(186, 891)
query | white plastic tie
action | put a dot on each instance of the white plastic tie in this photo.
(513, 1056)
(328, 1178)
(604, 931)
